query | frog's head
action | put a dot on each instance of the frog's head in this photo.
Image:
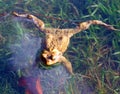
(51, 57)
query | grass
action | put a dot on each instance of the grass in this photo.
(95, 53)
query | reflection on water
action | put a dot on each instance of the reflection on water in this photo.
(24, 51)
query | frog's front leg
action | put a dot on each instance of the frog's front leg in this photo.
(67, 64)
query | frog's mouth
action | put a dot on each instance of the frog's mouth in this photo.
(51, 57)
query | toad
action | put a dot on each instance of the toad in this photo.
(57, 40)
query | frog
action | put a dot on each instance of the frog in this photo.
(57, 40)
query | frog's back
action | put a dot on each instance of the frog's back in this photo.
(57, 40)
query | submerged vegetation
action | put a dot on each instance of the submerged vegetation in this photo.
(95, 53)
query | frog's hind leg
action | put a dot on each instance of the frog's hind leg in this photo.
(85, 25)
(39, 23)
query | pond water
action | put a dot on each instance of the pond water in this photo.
(94, 53)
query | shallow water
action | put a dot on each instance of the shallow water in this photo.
(21, 44)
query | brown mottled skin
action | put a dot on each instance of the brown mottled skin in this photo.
(57, 40)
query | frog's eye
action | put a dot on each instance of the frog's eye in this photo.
(44, 55)
(53, 58)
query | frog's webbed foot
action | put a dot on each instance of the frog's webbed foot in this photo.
(67, 64)
(39, 23)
